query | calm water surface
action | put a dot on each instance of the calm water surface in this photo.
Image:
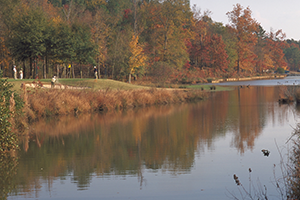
(170, 152)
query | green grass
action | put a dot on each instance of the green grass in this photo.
(77, 82)
(102, 84)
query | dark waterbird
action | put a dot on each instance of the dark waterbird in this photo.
(265, 152)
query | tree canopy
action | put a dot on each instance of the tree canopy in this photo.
(54, 34)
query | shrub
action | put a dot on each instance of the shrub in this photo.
(10, 109)
(280, 70)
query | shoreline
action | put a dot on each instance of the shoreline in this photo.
(248, 78)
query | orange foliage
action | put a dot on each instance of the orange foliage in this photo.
(275, 44)
(5, 58)
(243, 27)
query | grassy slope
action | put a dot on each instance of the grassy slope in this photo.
(90, 83)
(100, 84)
(103, 84)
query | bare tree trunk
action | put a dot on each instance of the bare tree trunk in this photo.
(44, 68)
(30, 69)
(99, 76)
(57, 70)
(80, 70)
(67, 13)
(129, 78)
(35, 70)
(73, 72)
(24, 69)
(65, 71)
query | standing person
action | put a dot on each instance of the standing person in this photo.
(53, 80)
(96, 72)
(15, 72)
(21, 73)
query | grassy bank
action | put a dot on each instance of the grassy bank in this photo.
(100, 95)
(43, 102)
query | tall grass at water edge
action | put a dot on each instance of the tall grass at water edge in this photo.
(42, 102)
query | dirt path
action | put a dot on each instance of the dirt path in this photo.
(57, 86)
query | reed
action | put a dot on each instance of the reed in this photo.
(41, 102)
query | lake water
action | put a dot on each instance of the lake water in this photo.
(169, 152)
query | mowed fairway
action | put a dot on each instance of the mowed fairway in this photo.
(100, 84)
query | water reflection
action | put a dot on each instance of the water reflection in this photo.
(158, 138)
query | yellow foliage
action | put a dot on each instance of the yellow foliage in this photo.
(95, 3)
(137, 57)
(57, 20)
(268, 62)
(285, 67)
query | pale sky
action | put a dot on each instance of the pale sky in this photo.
(275, 14)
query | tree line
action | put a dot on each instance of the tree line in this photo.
(161, 40)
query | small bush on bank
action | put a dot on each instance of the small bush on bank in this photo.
(280, 70)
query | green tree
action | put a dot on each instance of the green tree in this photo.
(60, 47)
(7, 10)
(28, 36)
(83, 47)
(292, 56)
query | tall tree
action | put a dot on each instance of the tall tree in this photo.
(168, 27)
(83, 47)
(7, 13)
(243, 27)
(292, 55)
(275, 44)
(28, 35)
(100, 34)
(137, 57)
(262, 60)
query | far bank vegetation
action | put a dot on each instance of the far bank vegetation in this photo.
(155, 41)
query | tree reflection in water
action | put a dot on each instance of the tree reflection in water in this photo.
(157, 138)
(8, 170)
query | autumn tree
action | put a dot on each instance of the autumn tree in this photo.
(100, 34)
(229, 42)
(243, 27)
(137, 57)
(168, 31)
(207, 48)
(263, 62)
(275, 44)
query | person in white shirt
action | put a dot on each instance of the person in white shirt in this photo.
(21, 73)
(53, 80)
(15, 72)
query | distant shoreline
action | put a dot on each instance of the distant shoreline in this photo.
(249, 78)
